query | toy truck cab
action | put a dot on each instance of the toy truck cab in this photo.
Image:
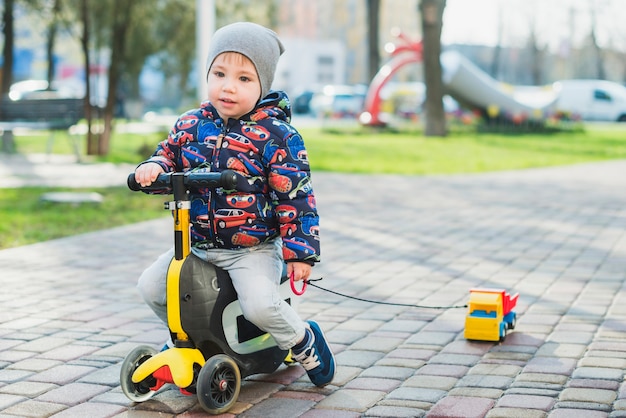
(490, 314)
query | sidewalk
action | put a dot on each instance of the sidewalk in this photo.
(69, 311)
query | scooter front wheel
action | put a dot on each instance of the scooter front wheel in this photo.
(218, 385)
(137, 392)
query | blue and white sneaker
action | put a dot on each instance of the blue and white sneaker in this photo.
(316, 357)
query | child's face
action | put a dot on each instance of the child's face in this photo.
(234, 86)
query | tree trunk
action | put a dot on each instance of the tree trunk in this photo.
(7, 51)
(432, 20)
(52, 34)
(373, 8)
(122, 16)
(92, 139)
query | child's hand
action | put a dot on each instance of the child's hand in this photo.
(147, 173)
(300, 270)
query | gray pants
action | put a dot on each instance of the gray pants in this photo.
(255, 273)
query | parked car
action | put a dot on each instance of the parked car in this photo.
(598, 100)
(301, 102)
(40, 89)
(338, 101)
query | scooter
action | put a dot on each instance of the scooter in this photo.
(214, 345)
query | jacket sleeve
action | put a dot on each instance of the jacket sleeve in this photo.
(168, 153)
(296, 211)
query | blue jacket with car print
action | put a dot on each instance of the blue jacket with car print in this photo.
(274, 195)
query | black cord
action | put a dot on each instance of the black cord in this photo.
(379, 302)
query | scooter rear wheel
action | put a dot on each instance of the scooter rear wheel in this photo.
(218, 385)
(137, 392)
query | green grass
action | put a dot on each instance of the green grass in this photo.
(25, 219)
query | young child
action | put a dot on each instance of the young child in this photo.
(271, 218)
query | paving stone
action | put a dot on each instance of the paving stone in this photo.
(252, 391)
(608, 362)
(538, 390)
(61, 375)
(473, 392)
(6, 400)
(376, 344)
(432, 338)
(554, 379)
(456, 359)
(443, 370)
(394, 412)
(29, 389)
(543, 403)
(388, 372)
(358, 358)
(32, 408)
(412, 353)
(405, 403)
(467, 347)
(495, 369)
(343, 374)
(594, 384)
(550, 365)
(69, 352)
(10, 376)
(279, 408)
(73, 393)
(351, 399)
(413, 394)
(552, 349)
(587, 395)
(330, 413)
(400, 362)
(498, 412)
(344, 337)
(587, 406)
(507, 357)
(43, 344)
(13, 356)
(372, 383)
(456, 406)
(91, 410)
(168, 401)
(364, 325)
(432, 382)
(35, 364)
(598, 373)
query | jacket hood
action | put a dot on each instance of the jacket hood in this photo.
(275, 104)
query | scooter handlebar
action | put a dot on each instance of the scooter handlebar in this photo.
(226, 179)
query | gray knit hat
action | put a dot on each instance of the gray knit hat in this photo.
(260, 44)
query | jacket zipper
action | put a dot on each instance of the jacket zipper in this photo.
(211, 202)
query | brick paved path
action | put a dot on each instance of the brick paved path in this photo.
(69, 312)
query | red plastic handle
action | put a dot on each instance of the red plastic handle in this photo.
(292, 282)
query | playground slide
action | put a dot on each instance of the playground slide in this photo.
(473, 88)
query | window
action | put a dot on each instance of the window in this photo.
(325, 65)
(601, 95)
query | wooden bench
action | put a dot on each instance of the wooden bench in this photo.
(54, 114)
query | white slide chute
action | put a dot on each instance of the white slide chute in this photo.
(474, 88)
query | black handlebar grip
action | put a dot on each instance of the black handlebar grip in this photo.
(226, 179)
(162, 182)
(132, 183)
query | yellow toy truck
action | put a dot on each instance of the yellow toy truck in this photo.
(490, 314)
